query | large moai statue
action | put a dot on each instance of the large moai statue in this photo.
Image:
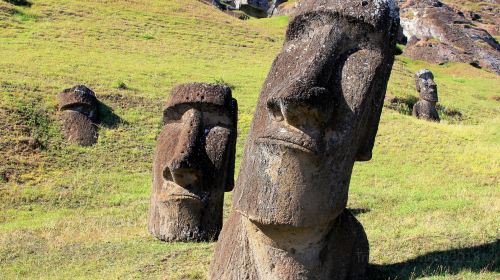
(194, 163)
(317, 114)
(425, 108)
(79, 108)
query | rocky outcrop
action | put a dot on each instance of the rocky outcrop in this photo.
(437, 33)
(483, 13)
(257, 8)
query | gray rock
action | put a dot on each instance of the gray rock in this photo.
(437, 33)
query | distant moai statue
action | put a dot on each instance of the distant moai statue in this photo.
(194, 163)
(79, 107)
(317, 114)
(425, 108)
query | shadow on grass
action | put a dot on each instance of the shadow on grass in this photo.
(481, 258)
(19, 2)
(108, 118)
(357, 211)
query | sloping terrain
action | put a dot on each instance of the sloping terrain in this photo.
(438, 33)
(483, 12)
(429, 199)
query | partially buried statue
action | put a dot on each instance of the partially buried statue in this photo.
(425, 108)
(317, 114)
(194, 163)
(79, 108)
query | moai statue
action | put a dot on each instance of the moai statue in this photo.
(425, 108)
(79, 108)
(194, 163)
(317, 114)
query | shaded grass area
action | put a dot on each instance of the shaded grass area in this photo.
(474, 259)
(430, 193)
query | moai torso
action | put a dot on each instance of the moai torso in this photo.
(426, 110)
(79, 107)
(194, 163)
(317, 114)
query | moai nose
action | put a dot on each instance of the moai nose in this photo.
(186, 177)
(307, 110)
(184, 167)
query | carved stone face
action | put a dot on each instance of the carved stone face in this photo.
(79, 115)
(317, 114)
(194, 163)
(426, 86)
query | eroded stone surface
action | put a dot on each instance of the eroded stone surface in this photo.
(437, 33)
(425, 108)
(79, 107)
(317, 114)
(194, 163)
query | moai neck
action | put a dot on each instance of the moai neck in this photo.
(428, 103)
(287, 253)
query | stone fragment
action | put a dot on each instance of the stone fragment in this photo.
(194, 163)
(317, 114)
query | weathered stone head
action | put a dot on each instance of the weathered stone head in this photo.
(317, 114)
(194, 163)
(425, 108)
(79, 108)
(426, 86)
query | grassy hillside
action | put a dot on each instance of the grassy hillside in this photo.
(429, 200)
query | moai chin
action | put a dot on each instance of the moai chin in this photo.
(317, 114)
(425, 108)
(194, 163)
(79, 107)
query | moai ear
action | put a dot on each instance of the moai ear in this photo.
(368, 141)
(232, 147)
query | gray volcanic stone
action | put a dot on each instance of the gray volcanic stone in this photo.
(438, 33)
(194, 163)
(425, 108)
(317, 114)
(79, 107)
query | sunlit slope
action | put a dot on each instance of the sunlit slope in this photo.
(71, 212)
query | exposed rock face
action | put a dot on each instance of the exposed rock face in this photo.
(79, 115)
(194, 163)
(267, 6)
(437, 33)
(484, 15)
(317, 114)
(425, 108)
(285, 8)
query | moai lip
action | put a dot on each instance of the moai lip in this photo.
(79, 107)
(317, 114)
(194, 163)
(425, 108)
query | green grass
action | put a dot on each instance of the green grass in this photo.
(430, 192)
